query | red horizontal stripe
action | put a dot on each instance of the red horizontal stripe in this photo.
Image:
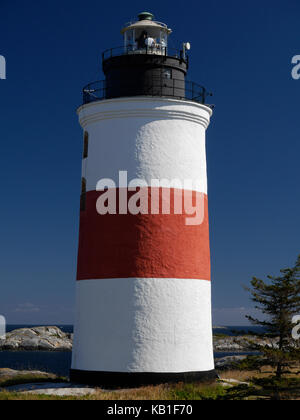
(143, 245)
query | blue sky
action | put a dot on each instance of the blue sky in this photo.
(241, 51)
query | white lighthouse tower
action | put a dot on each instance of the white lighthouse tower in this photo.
(143, 306)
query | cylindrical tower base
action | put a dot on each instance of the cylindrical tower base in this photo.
(143, 309)
(114, 380)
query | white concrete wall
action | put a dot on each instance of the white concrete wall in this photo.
(149, 138)
(143, 325)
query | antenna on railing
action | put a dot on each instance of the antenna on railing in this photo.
(186, 46)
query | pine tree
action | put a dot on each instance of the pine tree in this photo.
(279, 301)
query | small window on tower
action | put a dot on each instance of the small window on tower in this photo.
(83, 195)
(85, 144)
(167, 74)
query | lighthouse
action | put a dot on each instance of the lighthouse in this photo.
(143, 290)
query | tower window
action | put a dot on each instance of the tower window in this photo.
(83, 195)
(85, 145)
(167, 74)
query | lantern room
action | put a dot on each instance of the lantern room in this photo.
(146, 35)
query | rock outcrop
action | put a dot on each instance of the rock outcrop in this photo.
(241, 343)
(37, 338)
(7, 374)
(228, 362)
(54, 339)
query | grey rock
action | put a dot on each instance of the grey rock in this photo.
(12, 373)
(241, 343)
(54, 339)
(58, 389)
(228, 361)
(37, 338)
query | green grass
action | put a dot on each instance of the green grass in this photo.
(220, 335)
(160, 392)
(262, 386)
(197, 392)
(16, 396)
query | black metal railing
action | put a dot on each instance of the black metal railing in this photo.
(171, 88)
(158, 50)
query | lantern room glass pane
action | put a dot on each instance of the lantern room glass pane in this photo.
(163, 39)
(130, 39)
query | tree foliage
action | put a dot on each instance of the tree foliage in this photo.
(278, 300)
